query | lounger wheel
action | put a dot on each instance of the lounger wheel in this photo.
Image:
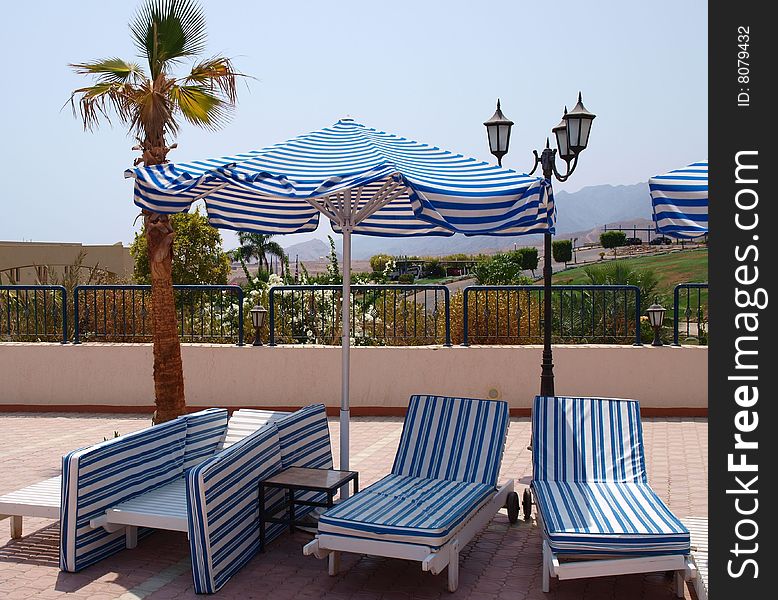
(526, 504)
(512, 504)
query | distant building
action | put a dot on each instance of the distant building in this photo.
(31, 263)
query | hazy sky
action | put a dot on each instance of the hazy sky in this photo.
(427, 70)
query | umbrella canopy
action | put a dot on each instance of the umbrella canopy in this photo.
(680, 201)
(401, 187)
(365, 181)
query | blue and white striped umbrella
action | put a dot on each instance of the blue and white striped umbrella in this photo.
(680, 201)
(379, 183)
(365, 181)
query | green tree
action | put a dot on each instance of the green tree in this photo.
(198, 257)
(500, 269)
(378, 262)
(529, 259)
(613, 239)
(151, 104)
(257, 246)
(562, 251)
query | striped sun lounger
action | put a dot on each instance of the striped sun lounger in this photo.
(599, 514)
(442, 489)
(195, 474)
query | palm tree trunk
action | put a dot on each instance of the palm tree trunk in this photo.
(168, 367)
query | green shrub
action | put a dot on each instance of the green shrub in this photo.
(500, 269)
(433, 269)
(405, 278)
(562, 251)
(529, 259)
(613, 239)
(378, 262)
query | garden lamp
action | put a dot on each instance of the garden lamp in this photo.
(258, 320)
(656, 316)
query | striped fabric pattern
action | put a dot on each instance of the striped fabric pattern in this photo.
(458, 439)
(304, 437)
(609, 517)
(680, 201)
(587, 439)
(421, 189)
(223, 515)
(590, 480)
(406, 509)
(445, 468)
(106, 474)
(205, 430)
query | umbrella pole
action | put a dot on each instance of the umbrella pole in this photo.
(346, 343)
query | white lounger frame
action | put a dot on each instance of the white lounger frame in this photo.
(165, 507)
(596, 566)
(43, 499)
(40, 499)
(433, 560)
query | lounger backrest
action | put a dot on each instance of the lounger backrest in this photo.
(222, 494)
(458, 439)
(587, 439)
(204, 432)
(304, 436)
(246, 421)
(106, 474)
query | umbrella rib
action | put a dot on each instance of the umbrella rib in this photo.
(325, 207)
(374, 205)
(209, 192)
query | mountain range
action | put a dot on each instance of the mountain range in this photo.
(578, 213)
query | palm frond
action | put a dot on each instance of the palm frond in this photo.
(166, 31)
(102, 99)
(275, 249)
(111, 70)
(155, 115)
(200, 106)
(217, 73)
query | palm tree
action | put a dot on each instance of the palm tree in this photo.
(151, 103)
(259, 246)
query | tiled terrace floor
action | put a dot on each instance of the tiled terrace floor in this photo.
(502, 562)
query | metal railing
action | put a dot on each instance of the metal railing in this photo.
(122, 313)
(32, 313)
(400, 315)
(380, 314)
(695, 321)
(505, 314)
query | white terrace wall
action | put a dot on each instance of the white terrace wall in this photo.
(666, 380)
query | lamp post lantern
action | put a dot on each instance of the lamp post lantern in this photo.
(656, 316)
(572, 138)
(498, 129)
(258, 314)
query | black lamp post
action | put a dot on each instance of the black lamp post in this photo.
(258, 320)
(656, 316)
(572, 138)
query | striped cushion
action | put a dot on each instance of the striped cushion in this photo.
(453, 438)
(587, 439)
(590, 480)
(406, 509)
(608, 518)
(304, 438)
(204, 432)
(222, 494)
(106, 474)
